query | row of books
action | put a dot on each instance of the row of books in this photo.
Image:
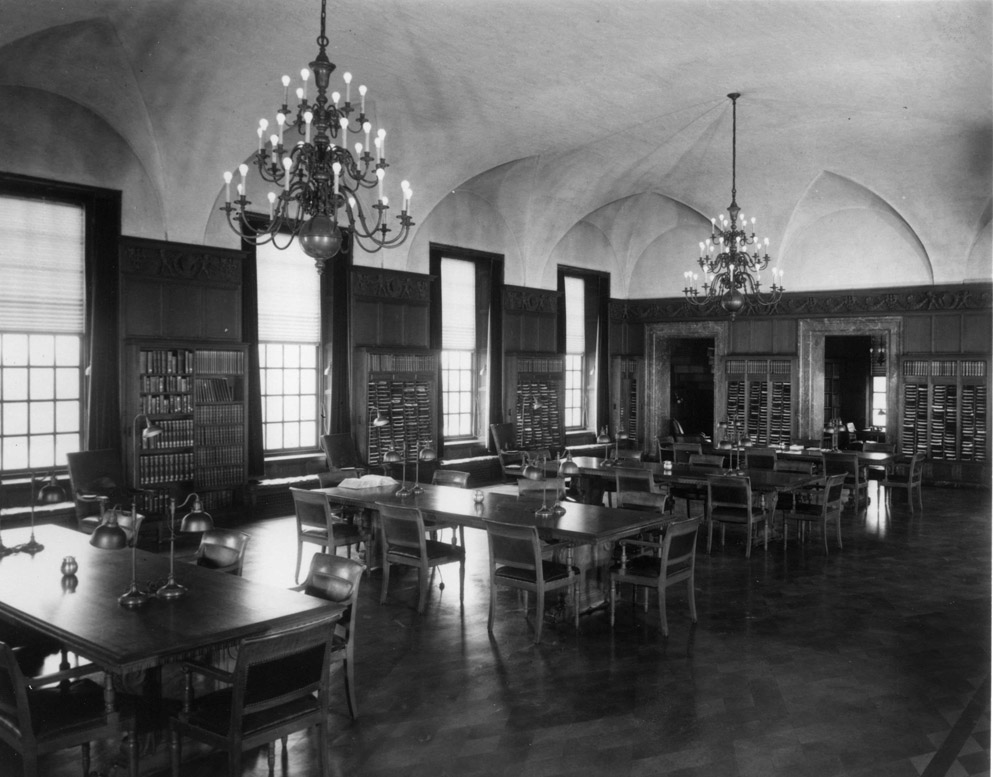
(220, 435)
(163, 361)
(165, 403)
(175, 434)
(161, 384)
(220, 362)
(219, 456)
(165, 468)
(219, 414)
(214, 390)
(219, 477)
(402, 362)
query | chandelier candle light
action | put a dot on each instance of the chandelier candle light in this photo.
(320, 179)
(732, 258)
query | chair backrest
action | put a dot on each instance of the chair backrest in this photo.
(450, 477)
(504, 437)
(677, 428)
(843, 463)
(340, 451)
(712, 460)
(513, 545)
(554, 487)
(879, 447)
(761, 458)
(681, 451)
(679, 545)
(403, 528)
(336, 579)
(313, 511)
(834, 489)
(131, 524)
(223, 550)
(917, 468)
(729, 491)
(631, 479)
(786, 464)
(15, 711)
(282, 669)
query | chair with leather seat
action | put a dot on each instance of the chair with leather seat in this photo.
(97, 481)
(637, 490)
(847, 463)
(405, 543)
(516, 562)
(319, 524)
(761, 458)
(729, 501)
(279, 685)
(222, 550)
(698, 493)
(907, 476)
(659, 565)
(511, 458)
(40, 715)
(820, 505)
(342, 455)
(337, 579)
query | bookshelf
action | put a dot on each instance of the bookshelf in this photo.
(832, 389)
(403, 387)
(945, 408)
(761, 395)
(534, 395)
(197, 396)
(627, 375)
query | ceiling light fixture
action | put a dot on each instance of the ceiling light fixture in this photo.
(730, 272)
(321, 180)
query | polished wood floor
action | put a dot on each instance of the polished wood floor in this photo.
(873, 661)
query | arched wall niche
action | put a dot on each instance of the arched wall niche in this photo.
(811, 333)
(658, 350)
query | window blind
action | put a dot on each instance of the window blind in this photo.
(458, 305)
(575, 315)
(289, 291)
(42, 262)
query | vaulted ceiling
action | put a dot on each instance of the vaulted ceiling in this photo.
(570, 119)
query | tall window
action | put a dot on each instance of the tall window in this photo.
(289, 303)
(878, 401)
(42, 263)
(575, 352)
(458, 348)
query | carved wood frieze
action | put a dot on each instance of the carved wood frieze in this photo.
(520, 299)
(390, 284)
(155, 259)
(855, 303)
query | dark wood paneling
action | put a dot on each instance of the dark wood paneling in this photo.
(977, 333)
(946, 333)
(784, 336)
(917, 334)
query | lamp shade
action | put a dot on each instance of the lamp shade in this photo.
(197, 520)
(391, 456)
(51, 492)
(109, 535)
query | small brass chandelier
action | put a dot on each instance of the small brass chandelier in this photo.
(732, 258)
(319, 178)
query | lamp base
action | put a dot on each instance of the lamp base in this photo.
(172, 590)
(32, 546)
(132, 598)
(404, 491)
(417, 490)
(544, 512)
(558, 509)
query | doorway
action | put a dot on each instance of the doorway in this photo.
(847, 375)
(691, 400)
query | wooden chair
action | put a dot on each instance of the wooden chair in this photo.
(553, 487)
(729, 500)
(337, 579)
(821, 506)
(761, 458)
(36, 718)
(516, 562)
(673, 560)
(637, 490)
(847, 463)
(906, 475)
(405, 543)
(457, 479)
(697, 493)
(279, 685)
(681, 451)
(511, 458)
(97, 480)
(317, 524)
(222, 550)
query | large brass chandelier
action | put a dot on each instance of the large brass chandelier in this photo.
(732, 258)
(320, 180)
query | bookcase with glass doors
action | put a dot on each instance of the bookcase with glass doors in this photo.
(762, 397)
(197, 395)
(534, 398)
